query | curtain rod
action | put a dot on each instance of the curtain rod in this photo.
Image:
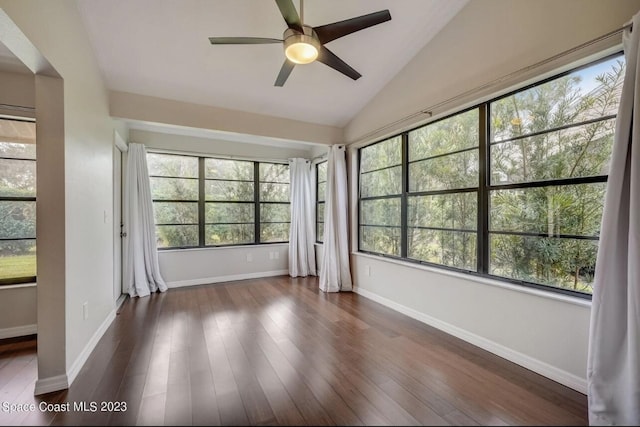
(428, 112)
(214, 156)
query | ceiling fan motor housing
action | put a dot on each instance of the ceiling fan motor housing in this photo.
(301, 48)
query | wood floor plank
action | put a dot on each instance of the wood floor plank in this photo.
(277, 351)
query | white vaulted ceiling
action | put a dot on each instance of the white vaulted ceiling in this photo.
(160, 48)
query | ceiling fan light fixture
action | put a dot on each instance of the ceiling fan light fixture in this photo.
(301, 48)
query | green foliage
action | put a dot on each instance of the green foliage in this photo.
(16, 266)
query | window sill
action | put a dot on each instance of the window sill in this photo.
(218, 248)
(483, 280)
(17, 286)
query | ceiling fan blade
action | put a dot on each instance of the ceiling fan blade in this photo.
(329, 32)
(290, 15)
(329, 58)
(242, 40)
(283, 75)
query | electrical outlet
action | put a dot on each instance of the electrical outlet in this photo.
(249, 257)
(368, 270)
(270, 255)
(85, 310)
(277, 255)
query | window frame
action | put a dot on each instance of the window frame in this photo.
(202, 201)
(318, 201)
(26, 279)
(484, 189)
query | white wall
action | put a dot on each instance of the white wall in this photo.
(485, 41)
(186, 267)
(55, 30)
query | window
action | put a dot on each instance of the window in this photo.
(321, 181)
(201, 202)
(17, 201)
(380, 197)
(513, 188)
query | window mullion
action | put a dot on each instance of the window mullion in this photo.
(256, 197)
(403, 200)
(201, 202)
(484, 169)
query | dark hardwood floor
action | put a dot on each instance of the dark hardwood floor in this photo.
(279, 351)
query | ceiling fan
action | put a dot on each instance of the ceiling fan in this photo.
(304, 44)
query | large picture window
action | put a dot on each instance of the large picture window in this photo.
(513, 188)
(202, 202)
(17, 201)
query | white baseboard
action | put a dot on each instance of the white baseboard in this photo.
(556, 374)
(18, 331)
(72, 373)
(229, 278)
(51, 384)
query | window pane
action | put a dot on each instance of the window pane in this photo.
(275, 212)
(380, 212)
(448, 172)
(16, 150)
(452, 134)
(322, 172)
(381, 155)
(229, 212)
(17, 258)
(579, 151)
(274, 232)
(172, 165)
(17, 178)
(236, 191)
(570, 209)
(321, 190)
(383, 240)
(270, 192)
(458, 210)
(18, 131)
(563, 263)
(273, 172)
(17, 219)
(320, 232)
(174, 189)
(452, 248)
(585, 94)
(320, 212)
(175, 213)
(229, 234)
(381, 183)
(228, 169)
(172, 236)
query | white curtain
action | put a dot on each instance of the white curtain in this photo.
(613, 367)
(141, 269)
(302, 256)
(335, 274)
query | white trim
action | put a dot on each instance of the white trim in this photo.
(51, 384)
(229, 278)
(563, 377)
(18, 286)
(18, 331)
(120, 301)
(483, 280)
(72, 373)
(119, 142)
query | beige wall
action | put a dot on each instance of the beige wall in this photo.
(487, 40)
(84, 253)
(17, 304)
(159, 110)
